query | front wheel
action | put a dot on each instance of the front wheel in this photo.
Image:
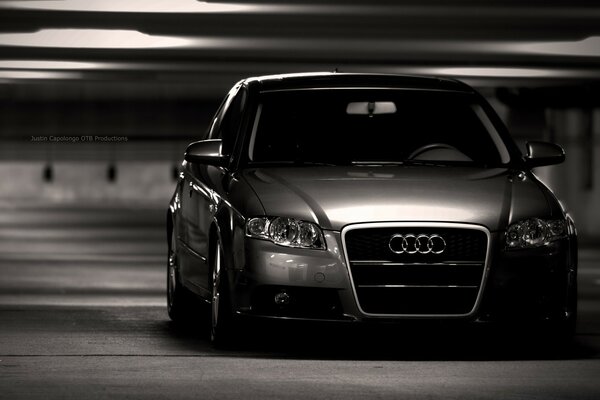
(222, 321)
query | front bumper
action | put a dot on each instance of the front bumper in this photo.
(316, 281)
(522, 285)
(538, 284)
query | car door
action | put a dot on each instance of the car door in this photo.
(205, 188)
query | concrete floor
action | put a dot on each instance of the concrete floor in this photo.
(82, 315)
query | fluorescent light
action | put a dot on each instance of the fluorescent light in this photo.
(494, 72)
(137, 6)
(588, 47)
(47, 64)
(12, 74)
(91, 38)
(132, 39)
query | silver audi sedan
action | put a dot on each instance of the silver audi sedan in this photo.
(367, 198)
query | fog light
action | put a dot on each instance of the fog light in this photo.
(282, 299)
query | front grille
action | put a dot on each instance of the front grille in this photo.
(372, 244)
(388, 283)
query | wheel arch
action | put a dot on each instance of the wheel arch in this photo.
(213, 236)
(227, 226)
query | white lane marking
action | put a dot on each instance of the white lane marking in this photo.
(6, 256)
(82, 301)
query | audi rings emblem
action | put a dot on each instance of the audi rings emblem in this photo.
(422, 244)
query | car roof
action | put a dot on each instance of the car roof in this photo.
(337, 79)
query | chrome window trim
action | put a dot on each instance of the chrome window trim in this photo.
(413, 224)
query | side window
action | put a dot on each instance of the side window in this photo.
(228, 124)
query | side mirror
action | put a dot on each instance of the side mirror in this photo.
(543, 153)
(206, 152)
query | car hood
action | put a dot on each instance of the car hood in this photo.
(337, 196)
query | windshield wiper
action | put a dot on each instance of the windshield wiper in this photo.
(435, 163)
(438, 163)
(381, 163)
(297, 162)
(447, 163)
(327, 164)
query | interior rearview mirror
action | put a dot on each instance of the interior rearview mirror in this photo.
(543, 153)
(371, 108)
(206, 152)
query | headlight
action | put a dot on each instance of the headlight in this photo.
(534, 232)
(286, 232)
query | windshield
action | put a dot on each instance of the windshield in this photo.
(370, 126)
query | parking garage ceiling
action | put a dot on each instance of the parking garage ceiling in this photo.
(203, 47)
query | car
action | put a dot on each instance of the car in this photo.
(367, 198)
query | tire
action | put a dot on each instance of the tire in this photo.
(222, 323)
(179, 300)
(564, 333)
(554, 337)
